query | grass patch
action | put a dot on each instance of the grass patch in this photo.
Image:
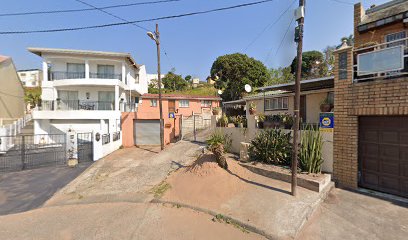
(223, 219)
(160, 189)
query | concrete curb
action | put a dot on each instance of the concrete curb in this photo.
(247, 226)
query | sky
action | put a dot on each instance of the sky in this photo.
(192, 43)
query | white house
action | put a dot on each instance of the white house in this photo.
(30, 77)
(86, 91)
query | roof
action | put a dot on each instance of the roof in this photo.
(305, 85)
(3, 58)
(384, 11)
(179, 96)
(40, 51)
(29, 70)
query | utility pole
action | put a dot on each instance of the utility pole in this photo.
(156, 37)
(299, 39)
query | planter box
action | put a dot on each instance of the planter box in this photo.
(314, 182)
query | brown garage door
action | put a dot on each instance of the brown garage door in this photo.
(383, 154)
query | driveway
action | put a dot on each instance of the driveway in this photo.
(351, 215)
(29, 189)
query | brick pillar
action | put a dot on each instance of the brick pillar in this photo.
(359, 13)
(345, 146)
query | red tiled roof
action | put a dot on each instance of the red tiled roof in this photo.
(180, 96)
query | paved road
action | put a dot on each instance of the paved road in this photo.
(29, 189)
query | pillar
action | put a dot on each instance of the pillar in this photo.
(45, 70)
(117, 98)
(86, 69)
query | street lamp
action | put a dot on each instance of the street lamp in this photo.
(156, 37)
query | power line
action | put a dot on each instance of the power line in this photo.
(268, 26)
(280, 45)
(136, 21)
(85, 9)
(343, 2)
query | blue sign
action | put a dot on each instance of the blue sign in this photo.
(172, 115)
(327, 121)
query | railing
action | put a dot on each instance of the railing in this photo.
(66, 75)
(362, 76)
(106, 76)
(76, 105)
(129, 107)
(105, 139)
(115, 136)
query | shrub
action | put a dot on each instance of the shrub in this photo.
(271, 146)
(310, 154)
(218, 137)
(223, 121)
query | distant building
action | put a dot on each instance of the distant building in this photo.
(151, 77)
(30, 77)
(195, 82)
(11, 93)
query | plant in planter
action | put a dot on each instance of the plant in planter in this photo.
(223, 121)
(216, 111)
(219, 144)
(261, 120)
(325, 105)
(287, 120)
(271, 146)
(239, 121)
(72, 160)
(252, 108)
(310, 153)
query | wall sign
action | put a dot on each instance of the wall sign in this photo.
(326, 122)
(172, 115)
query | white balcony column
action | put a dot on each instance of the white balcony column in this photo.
(123, 72)
(45, 70)
(86, 69)
(117, 98)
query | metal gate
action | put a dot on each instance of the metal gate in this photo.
(85, 147)
(195, 128)
(32, 151)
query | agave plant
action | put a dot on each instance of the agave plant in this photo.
(310, 153)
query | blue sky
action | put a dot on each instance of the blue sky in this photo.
(191, 43)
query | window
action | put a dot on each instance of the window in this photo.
(153, 103)
(330, 97)
(184, 103)
(106, 71)
(75, 67)
(106, 100)
(394, 37)
(281, 103)
(205, 103)
(22, 74)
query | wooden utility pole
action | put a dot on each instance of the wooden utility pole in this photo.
(296, 135)
(157, 39)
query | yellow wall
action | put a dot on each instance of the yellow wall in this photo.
(11, 91)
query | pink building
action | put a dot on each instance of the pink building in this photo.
(143, 127)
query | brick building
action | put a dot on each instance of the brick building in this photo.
(371, 102)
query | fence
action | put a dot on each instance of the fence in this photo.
(192, 126)
(32, 151)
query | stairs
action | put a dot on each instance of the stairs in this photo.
(28, 129)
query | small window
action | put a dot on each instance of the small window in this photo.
(22, 74)
(205, 103)
(153, 103)
(281, 103)
(184, 103)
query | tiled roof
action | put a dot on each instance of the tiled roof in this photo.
(384, 10)
(180, 96)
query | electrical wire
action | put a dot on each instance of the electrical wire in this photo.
(136, 21)
(268, 27)
(343, 2)
(84, 9)
(280, 45)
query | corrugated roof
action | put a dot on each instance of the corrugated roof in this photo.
(180, 96)
(303, 82)
(384, 11)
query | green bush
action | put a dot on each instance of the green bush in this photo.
(222, 121)
(271, 146)
(310, 153)
(216, 138)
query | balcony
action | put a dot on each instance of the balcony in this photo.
(58, 75)
(69, 105)
(380, 61)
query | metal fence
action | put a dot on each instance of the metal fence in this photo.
(115, 136)
(85, 147)
(32, 151)
(105, 139)
(193, 128)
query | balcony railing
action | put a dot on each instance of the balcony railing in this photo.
(106, 76)
(58, 75)
(68, 105)
(128, 107)
(359, 75)
(115, 136)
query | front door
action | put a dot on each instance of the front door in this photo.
(172, 106)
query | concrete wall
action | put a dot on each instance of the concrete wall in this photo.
(12, 104)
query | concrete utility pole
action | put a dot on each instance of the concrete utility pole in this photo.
(156, 37)
(299, 38)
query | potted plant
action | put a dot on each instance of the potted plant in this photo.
(216, 111)
(325, 105)
(72, 160)
(287, 121)
(261, 120)
(238, 121)
(252, 108)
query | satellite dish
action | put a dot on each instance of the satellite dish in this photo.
(248, 88)
(220, 91)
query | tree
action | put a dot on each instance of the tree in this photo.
(233, 71)
(32, 96)
(153, 86)
(188, 79)
(328, 60)
(312, 66)
(174, 82)
(280, 75)
(349, 40)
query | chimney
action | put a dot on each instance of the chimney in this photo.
(359, 14)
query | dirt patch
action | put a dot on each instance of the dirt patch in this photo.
(205, 181)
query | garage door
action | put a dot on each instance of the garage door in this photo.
(147, 132)
(383, 154)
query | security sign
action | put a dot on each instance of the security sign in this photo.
(172, 115)
(326, 122)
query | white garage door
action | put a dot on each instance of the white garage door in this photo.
(147, 132)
